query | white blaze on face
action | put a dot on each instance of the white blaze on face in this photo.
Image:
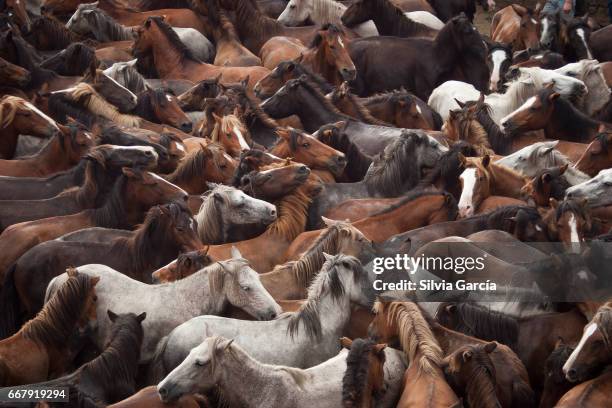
(341, 42)
(544, 30)
(155, 176)
(528, 104)
(466, 204)
(180, 147)
(574, 237)
(40, 113)
(588, 332)
(497, 57)
(418, 108)
(582, 36)
(241, 140)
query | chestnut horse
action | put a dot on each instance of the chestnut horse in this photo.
(133, 194)
(63, 151)
(149, 398)
(267, 250)
(13, 75)
(161, 106)
(516, 25)
(173, 60)
(592, 393)
(416, 209)
(18, 116)
(326, 56)
(40, 350)
(597, 156)
(481, 179)
(396, 320)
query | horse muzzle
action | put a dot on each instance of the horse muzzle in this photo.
(348, 74)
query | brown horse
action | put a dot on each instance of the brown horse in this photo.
(185, 265)
(229, 50)
(40, 350)
(133, 194)
(593, 349)
(173, 60)
(327, 55)
(512, 380)
(231, 133)
(472, 374)
(356, 209)
(267, 250)
(555, 383)
(597, 156)
(304, 148)
(18, 116)
(463, 124)
(424, 382)
(416, 209)
(209, 163)
(481, 179)
(532, 337)
(593, 393)
(569, 221)
(516, 25)
(159, 106)
(13, 75)
(364, 377)
(63, 151)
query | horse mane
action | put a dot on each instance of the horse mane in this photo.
(403, 25)
(363, 113)
(602, 138)
(210, 218)
(141, 247)
(146, 100)
(216, 279)
(497, 139)
(293, 211)
(417, 193)
(56, 321)
(494, 167)
(229, 122)
(8, 108)
(107, 25)
(218, 18)
(191, 165)
(113, 213)
(486, 324)
(481, 384)
(567, 117)
(318, 38)
(300, 69)
(328, 241)
(500, 218)
(96, 180)
(415, 336)
(77, 58)
(327, 281)
(249, 17)
(57, 32)
(86, 95)
(449, 167)
(394, 167)
(446, 37)
(356, 374)
(555, 361)
(174, 39)
(315, 91)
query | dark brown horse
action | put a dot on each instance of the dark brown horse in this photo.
(160, 106)
(419, 64)
(546, 184)
(364, 377)
(40, 350)
(111, 376)
(597, 156)
(13, 75)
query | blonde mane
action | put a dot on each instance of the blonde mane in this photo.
(95, 103)
(8, 108)
(209, 217)
(293, 211)
(227, 125)
(415, 335)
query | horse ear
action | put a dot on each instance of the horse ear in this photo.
(462, 159)
(553, 203)
(206, 250)
(71, 271)
(466, 355)
(111, 315)
(489, 347)
(283, 133)
(452, 308)
(461, 104)
(224, 345)
(217, 118)
(327, 221)
(141, 316)
(536, 11)
(236, 253)
(486, 160)
(346, 343)
(563, 168)
(546, 177)
(130, 173)
(379, 349)
(327, 256)
(245, 81)
(94, 280)
(517, 9)
(147, 23)
(553, 96)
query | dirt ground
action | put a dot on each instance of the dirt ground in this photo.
(597, 9)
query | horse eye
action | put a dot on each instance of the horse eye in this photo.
(199, 363)
(245, 288)
(306, 145)
(95, 298)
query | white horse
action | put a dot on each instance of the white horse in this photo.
(301, 339)
(226, 207)
(218, 362)
(527, 83)
(207, 291)
(298, 12)
(89, 19)
(598, 190)
(541, 155)
(589, 72)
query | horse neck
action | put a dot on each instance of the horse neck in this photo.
(334, 314)
(388, 21)
(505, 181)
(154, 251)
(248, 17)
(54, 156)
(315, 114)
(570, 122)
(293, 213)
(164, 50)
(239, 374)
(327, 11)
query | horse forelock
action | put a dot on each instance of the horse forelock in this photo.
(84, 93)
(603, 319)
(210, 217)
(9, 105)
(481, 380)
(415, 336)
(356, 374)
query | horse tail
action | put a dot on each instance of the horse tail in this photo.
(157, 369)
(9, 304)
(522, 395)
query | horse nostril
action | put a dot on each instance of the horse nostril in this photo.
(341, 159)
(273, 213)
(272, 315)
(186, 198)
(571, 373)
(186, 126)
(303, 170)
(163, 393)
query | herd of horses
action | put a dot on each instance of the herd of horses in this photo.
(193, 195)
